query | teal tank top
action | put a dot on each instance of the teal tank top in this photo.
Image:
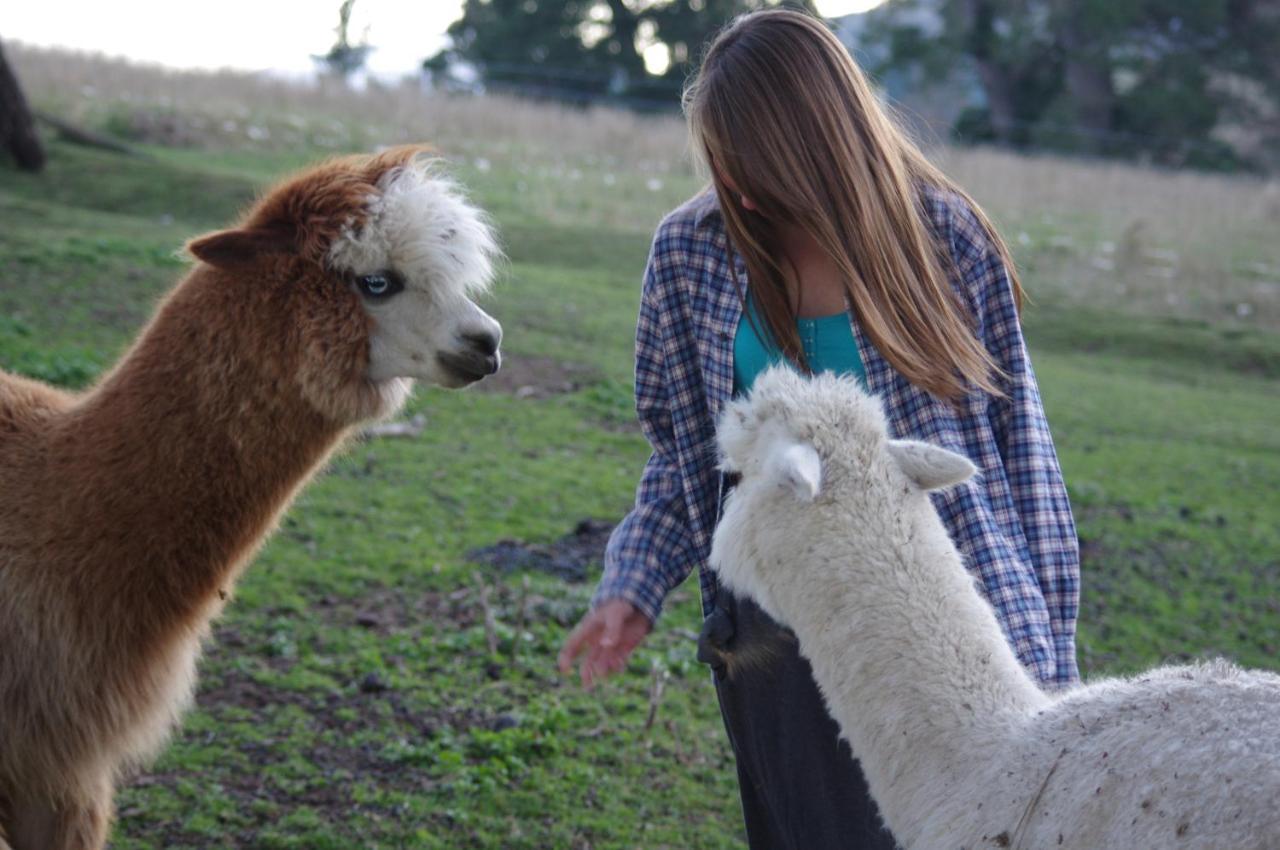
(829, 346)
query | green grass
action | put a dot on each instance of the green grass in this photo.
(1165, 430)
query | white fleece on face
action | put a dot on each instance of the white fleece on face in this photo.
(423, 229)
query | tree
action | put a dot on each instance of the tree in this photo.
(585, 50)
(344, 58)
(17, 130)
(1155, 78)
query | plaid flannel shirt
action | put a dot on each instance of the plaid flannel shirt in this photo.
(1012, 524)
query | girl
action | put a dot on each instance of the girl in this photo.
(831, 243)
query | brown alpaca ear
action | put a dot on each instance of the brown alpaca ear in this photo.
(232, 249)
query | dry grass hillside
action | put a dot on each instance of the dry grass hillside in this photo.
(1110, 235)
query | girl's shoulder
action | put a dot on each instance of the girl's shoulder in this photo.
(978, 270)
(956, 225)
(694, 223)
(689, 251)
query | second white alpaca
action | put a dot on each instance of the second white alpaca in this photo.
(831, 530)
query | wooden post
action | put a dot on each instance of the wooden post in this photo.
(17, 131)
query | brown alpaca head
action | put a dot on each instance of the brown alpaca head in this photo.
(367, 266)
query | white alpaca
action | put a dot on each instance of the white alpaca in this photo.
(832, 532)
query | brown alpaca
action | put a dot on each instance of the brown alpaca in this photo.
(127, 512)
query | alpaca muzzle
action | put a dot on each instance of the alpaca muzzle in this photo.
(480, 357)
(737, 637)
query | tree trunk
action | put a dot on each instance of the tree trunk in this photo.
(80, 136)
(17, 131)
(1254, 27)
(999, 91)
(625, 27)
(996, 80)
(1087, 77)
(1088, 83)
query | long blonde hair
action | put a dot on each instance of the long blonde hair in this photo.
(784, 115)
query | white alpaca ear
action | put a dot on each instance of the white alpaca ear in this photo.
(931, 467)
(799, 469)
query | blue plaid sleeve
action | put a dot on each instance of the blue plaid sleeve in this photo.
(651, 551)
(1023, 441)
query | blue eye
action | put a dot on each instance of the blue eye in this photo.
(380, 284)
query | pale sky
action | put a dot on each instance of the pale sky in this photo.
(252, 35)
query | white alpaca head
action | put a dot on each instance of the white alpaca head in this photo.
(817, 467)
(417, 262)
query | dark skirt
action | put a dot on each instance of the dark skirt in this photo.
(801, 787)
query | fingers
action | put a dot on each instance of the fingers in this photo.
(595, 638)
(614, 615)
(577, 641)
(604, 639)
(592, 668)
(600, 663)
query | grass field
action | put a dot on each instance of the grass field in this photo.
(350, 697)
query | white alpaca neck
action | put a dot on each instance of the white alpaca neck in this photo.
(910, 658)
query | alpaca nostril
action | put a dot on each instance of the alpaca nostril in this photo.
(486, 342)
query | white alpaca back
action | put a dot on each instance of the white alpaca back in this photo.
(831, 530)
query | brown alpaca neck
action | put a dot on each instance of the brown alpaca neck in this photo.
(175, 467)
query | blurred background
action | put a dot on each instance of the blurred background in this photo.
(385, 677)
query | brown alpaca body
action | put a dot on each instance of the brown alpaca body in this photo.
(128, 512)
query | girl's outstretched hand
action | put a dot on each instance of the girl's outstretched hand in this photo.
(605, 638)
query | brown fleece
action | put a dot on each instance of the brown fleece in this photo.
(127, 512)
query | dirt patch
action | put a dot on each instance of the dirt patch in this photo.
(161, 128)
(538, 377)
(568, 558)
(339, 762)
(338, 770)
(386, 610)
